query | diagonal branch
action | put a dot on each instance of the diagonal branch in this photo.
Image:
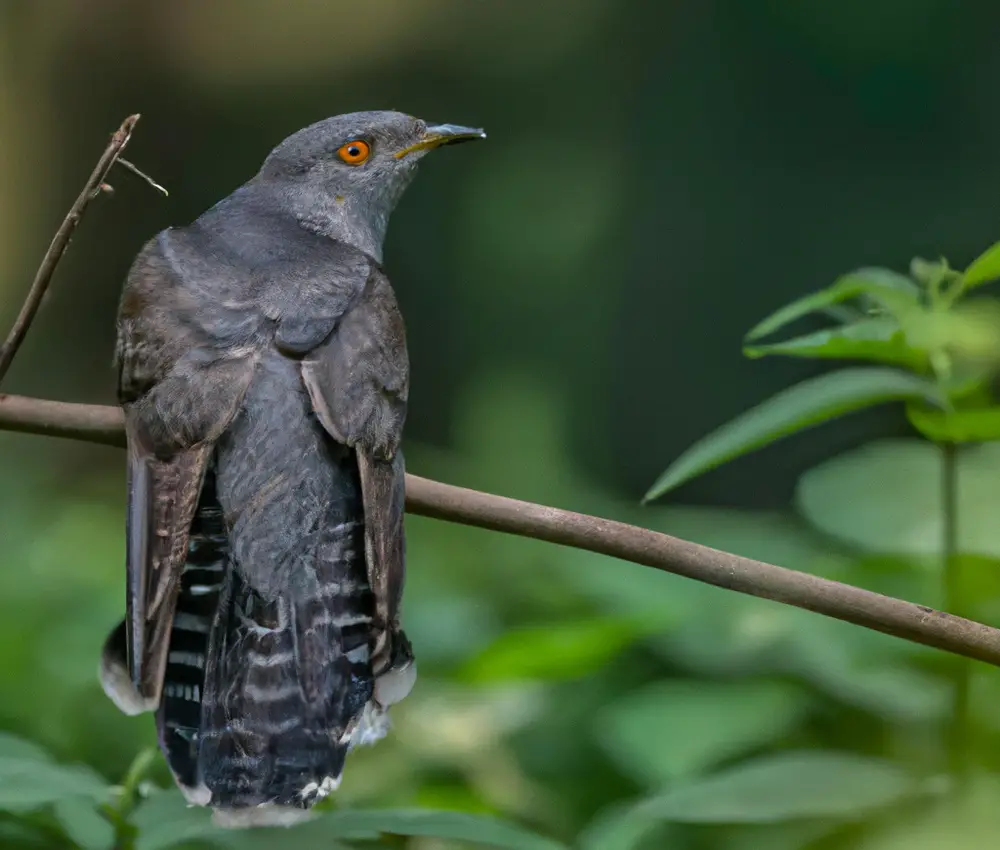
(60, 242)
(99, 424)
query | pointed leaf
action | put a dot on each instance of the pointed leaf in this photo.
(11, 746)
(84, 825)
(975, 425)
(788, 786)
(479, 830)
(801, 406)
(984, 268)
(886, 288)
(621, 827)
(166, 820)
(843, 313)
(878, 339)
(27, 783)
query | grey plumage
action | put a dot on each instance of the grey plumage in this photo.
(264, 378)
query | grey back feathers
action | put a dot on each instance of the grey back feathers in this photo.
(263, 373)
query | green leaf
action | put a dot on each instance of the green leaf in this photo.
(83, 824)
(675, 729)
(878, 339)
(480, 830)
(622, 827)
(788, 786)
(984, 268)
(28, 783)
(970, 330)
(885, 497)
(974, 425)
(888, 289)
(966, 819)
(801, 406)
(165, 820)
(11, 746)
(557, 651)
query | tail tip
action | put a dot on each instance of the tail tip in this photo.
(115, 679)
(266, 814)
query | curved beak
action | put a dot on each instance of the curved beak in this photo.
(442, 134)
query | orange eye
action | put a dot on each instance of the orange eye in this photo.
(355, 153)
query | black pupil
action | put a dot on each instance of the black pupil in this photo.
(354, 150)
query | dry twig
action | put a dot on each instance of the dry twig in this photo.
(60, 242)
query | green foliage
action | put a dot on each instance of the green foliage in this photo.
(919, 516)
(782, 787)
(802, 406)
(566, 700)
(673, 730)
(985, 268)
(949, 347)
(845, 498)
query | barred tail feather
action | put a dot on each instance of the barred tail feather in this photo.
(178, 718)
(286, 685)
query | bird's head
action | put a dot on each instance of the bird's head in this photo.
(343, 176)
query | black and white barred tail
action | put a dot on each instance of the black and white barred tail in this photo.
(262, 699)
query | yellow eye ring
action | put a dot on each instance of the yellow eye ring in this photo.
(355, 153)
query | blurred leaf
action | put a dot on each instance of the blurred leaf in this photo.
(675, 729)
(879, 340)
(886, 497)
(619, 828)
(166, 820)
(970, 330)
(887, 288)
(84, 825)
(787, 835)
(30, 783)
(479, 830)
(976, 425)
(801, 406)
(930, 273)
(843, 313)
(14, 747)
(896, 693)
(556, 651)
(966, 820)
(23, 835)
(984, 268)
(783, 787)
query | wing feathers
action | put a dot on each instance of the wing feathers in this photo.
(358, 381)
(162, 500)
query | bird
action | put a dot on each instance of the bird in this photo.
(263, 374)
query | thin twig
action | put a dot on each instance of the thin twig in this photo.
(139, 173)
(99, 424)
(43, 277)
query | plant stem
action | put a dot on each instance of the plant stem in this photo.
(119, 815)
(958, 722)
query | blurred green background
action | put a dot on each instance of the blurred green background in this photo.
(658, 176)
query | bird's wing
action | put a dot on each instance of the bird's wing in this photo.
(179, 392)
(358, 380)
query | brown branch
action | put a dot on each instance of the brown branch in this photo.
(98, 424)
(60, 242)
